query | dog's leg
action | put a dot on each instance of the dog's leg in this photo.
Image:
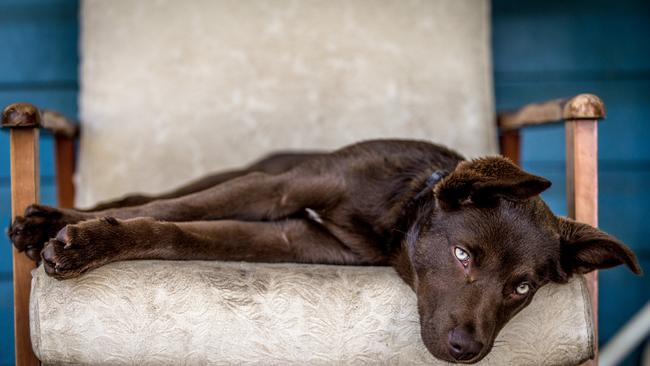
(40, 223)
(90, 244)
(253, 197)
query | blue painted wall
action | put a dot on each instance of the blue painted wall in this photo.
(542, 50)
(553, 48)
(38, 64)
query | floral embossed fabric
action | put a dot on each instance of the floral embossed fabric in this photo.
(226, 313)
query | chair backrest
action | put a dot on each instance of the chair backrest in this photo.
(173, 89)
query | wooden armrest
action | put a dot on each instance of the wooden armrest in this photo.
(24, 121)
(58, 124)
(582, 106)
(20, 115)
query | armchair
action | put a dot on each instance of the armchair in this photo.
(580, 115)
(556, 329)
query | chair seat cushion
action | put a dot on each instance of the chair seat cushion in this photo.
(221, 313)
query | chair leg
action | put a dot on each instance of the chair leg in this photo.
(582, 193)
(64, 153)
(24, 191)
(510, 143)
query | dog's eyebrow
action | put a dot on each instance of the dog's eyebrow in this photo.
(522, 273)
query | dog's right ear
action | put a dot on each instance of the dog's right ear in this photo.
(484, 181)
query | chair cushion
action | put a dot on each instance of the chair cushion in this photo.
(221, 313)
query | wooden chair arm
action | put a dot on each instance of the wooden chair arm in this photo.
(579, 107)
(59, 125)
(24, 122)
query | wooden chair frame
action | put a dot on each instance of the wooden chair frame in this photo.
(580, 115)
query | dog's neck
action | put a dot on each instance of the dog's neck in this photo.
(418, 207)
(430, 183)
(411, 211)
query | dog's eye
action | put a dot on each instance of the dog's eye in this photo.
(462, 256)
(522, 288)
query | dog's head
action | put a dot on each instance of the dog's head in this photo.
(480, 255)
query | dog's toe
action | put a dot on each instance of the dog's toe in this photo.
(34, 253)
(41, 211)
(62, 236)
(49, 253)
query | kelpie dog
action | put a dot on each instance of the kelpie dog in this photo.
(472, 238)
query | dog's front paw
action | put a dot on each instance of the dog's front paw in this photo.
(79, 248)
(30, 232)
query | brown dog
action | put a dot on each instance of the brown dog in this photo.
(472, 238)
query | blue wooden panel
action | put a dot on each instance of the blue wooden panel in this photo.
(61, 100)
(6, 322)
(569, 40)
(39, 43)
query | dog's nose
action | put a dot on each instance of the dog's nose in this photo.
(462, 346)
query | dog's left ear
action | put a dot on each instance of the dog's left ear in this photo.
(585, 249)
(484, 181)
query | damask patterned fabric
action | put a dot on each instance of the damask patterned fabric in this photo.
(231, 313)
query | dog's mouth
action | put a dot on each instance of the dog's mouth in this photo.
(472, 360)
(449, 357)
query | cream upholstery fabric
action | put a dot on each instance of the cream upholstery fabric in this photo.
(198, 313)
(173, 89)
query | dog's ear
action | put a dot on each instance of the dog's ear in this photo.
(584, 249)
(484, 181)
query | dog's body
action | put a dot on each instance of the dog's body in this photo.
(474, 244)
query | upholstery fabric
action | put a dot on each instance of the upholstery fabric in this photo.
(172, 89)
(225, 313)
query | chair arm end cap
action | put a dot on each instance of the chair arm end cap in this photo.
(21, 115)
(584, 106)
